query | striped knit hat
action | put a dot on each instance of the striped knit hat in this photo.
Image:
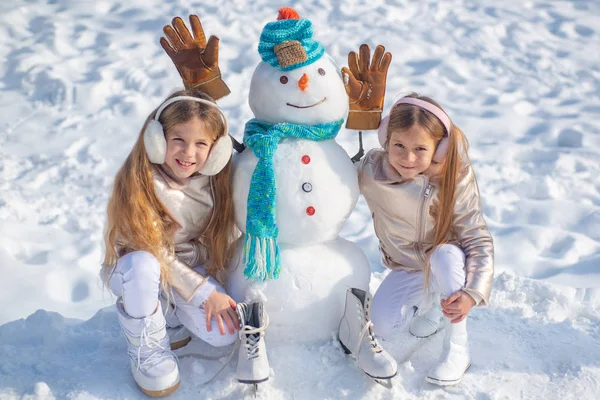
(287, 43)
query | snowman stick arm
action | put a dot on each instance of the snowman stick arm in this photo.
(361, 149)
(239, 147)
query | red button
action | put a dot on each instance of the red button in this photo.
(310, 211)
(305, 159)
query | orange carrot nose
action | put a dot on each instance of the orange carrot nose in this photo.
(303, 82)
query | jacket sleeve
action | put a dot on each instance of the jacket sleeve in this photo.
(474, 238)
(192, 286)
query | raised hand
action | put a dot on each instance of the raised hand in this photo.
(365, 80)
(196, 59)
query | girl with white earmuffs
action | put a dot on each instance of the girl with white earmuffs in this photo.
(170, 226)
(424, 198)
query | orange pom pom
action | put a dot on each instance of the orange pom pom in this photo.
(287, 13)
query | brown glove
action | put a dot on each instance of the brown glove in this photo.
(196, 60)
(365, 85)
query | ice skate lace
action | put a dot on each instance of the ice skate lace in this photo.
(367, 329)
(250, 337)
(151, 355)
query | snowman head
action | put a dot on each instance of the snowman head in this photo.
(296, 82)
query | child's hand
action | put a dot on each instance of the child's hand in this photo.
(457, 306)
(196, 59)
(221, 307)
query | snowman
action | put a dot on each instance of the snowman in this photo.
(294, 187)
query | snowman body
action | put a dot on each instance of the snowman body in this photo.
(316, 190)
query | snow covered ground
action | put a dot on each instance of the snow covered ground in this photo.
(521, 78)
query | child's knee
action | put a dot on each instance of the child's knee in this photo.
(139, 265)
(138, 269)
(447, 257)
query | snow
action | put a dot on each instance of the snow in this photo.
(521, 79)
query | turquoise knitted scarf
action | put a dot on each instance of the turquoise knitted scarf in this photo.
(261, 250)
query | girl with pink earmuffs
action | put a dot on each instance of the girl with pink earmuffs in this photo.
(423, 195)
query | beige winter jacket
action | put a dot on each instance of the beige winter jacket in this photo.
(190, 202)
(402, 215)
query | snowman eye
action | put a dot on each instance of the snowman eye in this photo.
(321, 71)
(283, 79)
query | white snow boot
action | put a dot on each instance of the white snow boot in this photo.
(357, 338)
(153, 365)
(455, 358)
(179, 335)
(425, 324)
(253, 364)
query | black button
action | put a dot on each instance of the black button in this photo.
(307, 187)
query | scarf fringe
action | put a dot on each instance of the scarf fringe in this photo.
(261, 257)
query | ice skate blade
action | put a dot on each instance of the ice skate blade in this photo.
(386, 383)
(254, 385)
(160, 393)
(252, 382)
(451, 382)
(383, 378)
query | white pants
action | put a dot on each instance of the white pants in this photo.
(402, 292)
(136, 280)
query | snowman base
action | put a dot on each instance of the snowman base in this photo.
(306, 302)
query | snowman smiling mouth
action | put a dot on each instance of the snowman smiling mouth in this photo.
(316, 104)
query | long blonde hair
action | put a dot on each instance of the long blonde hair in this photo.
(404, 117)
(137, 219)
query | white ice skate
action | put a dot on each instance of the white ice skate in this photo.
(253, 364)
(357, 338)
(455, 358)
(153, 364)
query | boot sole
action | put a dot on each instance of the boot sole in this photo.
(424, 337)
(347, 351)
(161, 393)
(181, 343)
(440, 382)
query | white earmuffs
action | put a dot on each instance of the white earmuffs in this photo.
(442, 148)
(156, 144)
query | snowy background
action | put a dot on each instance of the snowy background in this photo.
(521, 78)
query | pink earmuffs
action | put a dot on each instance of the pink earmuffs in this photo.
(442, 149)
